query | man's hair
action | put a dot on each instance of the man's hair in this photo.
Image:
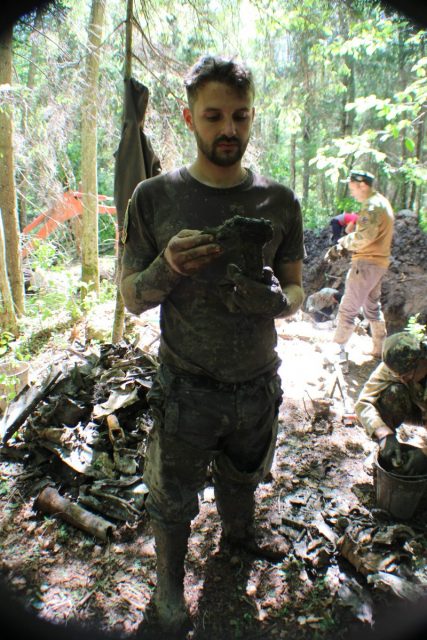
(217, 69)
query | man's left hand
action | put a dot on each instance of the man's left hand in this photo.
(251, 297)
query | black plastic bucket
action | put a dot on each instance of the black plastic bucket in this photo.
(399, 495)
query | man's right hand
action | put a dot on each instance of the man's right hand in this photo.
(415, 463)
(191, 250)
(390, 451)
(335, 252)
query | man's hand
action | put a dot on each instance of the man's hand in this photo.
(390, 451)
(190, 250)
(335, 252)
(251, 297)
(415, 463)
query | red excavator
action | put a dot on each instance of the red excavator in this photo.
(65, 208)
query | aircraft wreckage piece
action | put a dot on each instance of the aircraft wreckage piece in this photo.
(50, 501)
(24, 404)
(242, 241)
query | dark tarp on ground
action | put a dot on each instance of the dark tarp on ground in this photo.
(135, 159)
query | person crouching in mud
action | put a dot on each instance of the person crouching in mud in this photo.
(396, 393)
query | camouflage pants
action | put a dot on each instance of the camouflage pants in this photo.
(362, 290)
(395, 406)
(199, 422)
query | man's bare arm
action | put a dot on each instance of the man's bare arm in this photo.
(289, 275)
(185, 254)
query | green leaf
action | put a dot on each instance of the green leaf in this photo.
(410, 144)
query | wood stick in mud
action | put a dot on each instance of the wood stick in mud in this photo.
(50, 501)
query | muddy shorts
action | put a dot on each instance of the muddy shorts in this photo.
(395, 406)
(200, 422)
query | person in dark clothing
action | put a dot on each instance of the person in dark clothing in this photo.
(216, 398)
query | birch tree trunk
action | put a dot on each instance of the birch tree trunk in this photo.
(90, 262)
(119, 312)
(7, 178)
(8, 320)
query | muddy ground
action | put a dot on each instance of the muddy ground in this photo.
(351, 566)
(321, 484)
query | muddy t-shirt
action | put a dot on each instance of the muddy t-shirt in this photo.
(199, 335)
(372, 238)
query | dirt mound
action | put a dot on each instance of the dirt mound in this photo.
(404, 290)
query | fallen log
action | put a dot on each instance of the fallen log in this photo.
(51, 502)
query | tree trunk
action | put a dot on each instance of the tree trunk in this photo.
(8, 320)
(403, 34)
(119, 313)
(90, 262)
(419, 151)
(31, 83)
(306, 162)
(323, 192)
(7, 179)
(293, 161)
(349, 81)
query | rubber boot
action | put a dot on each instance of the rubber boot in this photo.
(236, 508)
(171, 548)
(378, 334)
(342, 332)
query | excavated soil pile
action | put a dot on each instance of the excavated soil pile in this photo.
(404, 290)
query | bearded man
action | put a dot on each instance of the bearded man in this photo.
(192, 242)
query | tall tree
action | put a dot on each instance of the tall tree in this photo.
(33, 64)
(8, 321)
(90, 263)
(119, 311)
(7, 178)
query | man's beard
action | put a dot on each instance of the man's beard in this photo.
(220, 157)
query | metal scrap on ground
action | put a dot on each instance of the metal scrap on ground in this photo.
(92, 415)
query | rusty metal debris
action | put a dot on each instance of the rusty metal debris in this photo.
(90, 415)
(50, 501)
(385, 554)
(24, 404)
(242, 240)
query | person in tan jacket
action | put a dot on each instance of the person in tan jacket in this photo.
(396, 393)
(370, 246)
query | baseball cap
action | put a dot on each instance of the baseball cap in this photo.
(402, 351)
(361, 176)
